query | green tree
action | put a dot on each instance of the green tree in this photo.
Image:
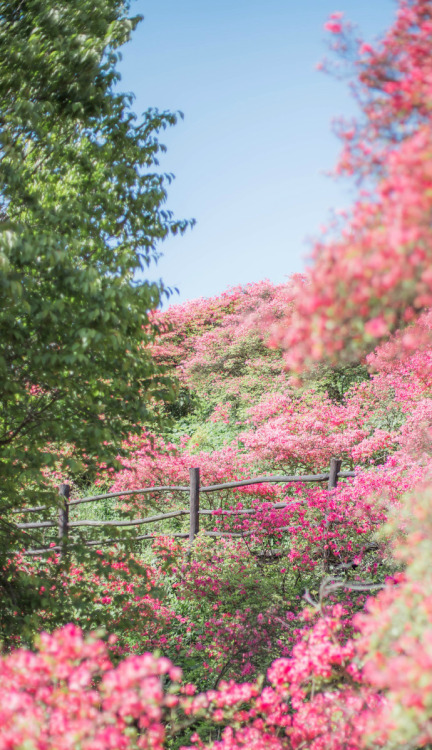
(81, 212)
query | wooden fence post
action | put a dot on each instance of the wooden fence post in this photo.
(63, 518)
(194, 485)
(335, 467)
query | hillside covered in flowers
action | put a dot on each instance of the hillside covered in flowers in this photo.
(328, 596)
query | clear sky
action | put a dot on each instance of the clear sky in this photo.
(251, 155)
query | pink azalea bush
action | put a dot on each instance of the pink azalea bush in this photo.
(396, 631)
(375, 277)
(67, 694)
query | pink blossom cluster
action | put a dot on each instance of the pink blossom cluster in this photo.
(375, 277)
(67, 694)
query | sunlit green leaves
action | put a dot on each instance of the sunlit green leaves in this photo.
(81, 211)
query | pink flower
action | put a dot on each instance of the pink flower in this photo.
(333, 26)
(377, 327)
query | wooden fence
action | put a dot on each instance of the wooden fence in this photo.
(194, 490)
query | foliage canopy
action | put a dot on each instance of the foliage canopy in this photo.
(81, 212)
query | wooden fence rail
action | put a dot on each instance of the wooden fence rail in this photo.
(194, 489)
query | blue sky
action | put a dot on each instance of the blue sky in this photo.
(251, 154)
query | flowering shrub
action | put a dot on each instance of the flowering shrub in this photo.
(317, 697)
(375, 277)
(396, 641)
(67, 694)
